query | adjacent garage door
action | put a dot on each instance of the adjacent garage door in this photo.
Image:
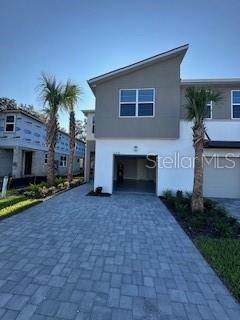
(220, 180)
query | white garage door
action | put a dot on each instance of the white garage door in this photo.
(220, 180)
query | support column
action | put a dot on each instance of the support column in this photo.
(17, 164)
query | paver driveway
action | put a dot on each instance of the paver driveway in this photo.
(121, 258)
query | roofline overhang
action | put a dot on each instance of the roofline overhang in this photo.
(162, 56)
(86, 111)
(210, 81)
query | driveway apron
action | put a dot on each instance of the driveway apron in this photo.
(119, 257)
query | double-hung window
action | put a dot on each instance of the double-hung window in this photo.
(10, 124)
(236, 104)
(136, 103)
(209, 110)
(63, 161)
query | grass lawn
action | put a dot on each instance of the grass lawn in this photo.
(224, 256)
(215, 233)
(11, 200)
(15, 204)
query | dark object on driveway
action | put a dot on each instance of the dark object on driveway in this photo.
(98, 190)
(96, 194)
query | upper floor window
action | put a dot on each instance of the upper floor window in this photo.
(137, 102)
(236, 104)
(209, 110)
(10, 124)
(63, 161)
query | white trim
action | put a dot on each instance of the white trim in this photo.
(211, 110)
(137, 64)
(234, 104)
(64, 162)
(45, 158)
(87, 111)
(14, 123)
(136, 102)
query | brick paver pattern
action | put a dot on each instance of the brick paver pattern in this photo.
(121, 258)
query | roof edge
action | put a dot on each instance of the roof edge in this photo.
(137, 64)
(214, 81)
(35, 118)
(88, 111)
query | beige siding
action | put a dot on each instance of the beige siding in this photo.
(165, 78)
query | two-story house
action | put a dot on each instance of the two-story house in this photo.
(140, 111)
(23, 150)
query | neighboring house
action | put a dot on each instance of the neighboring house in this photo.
(23, 150)
(140, 110)
(90, 144)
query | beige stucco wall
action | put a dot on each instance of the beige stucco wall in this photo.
(164, 76)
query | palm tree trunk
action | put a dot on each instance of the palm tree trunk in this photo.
(197, 196)
(51, 142)
(50, 166)
(72, 129)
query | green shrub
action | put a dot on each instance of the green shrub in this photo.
(214, 221)
(18, 207)
(209, 204)
(181, 210)
(198, 220)
(51, 190)
(39, 191)
(61, 186)
(77, 181)
(222, 229)
(60, 181)
(224, 256)
(168, 194)
(33, 191)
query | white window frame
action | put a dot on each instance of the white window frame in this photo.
(45, 158)
(234, 104)
(14, 123)
(211, 108)
(136, 102)
(63, 163)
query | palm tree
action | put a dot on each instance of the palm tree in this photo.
(51, 93)
(197, 100)
(71, 96)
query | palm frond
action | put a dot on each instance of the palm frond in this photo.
(197, 100)
(71, 95)
(51, 93)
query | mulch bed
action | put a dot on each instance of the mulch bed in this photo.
(184, 226)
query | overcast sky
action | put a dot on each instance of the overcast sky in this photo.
(82, 39)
